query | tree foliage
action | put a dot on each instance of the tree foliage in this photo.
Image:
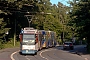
(80, 19)
(40, 14)
(3, 23)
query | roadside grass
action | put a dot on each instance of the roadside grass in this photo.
(9, 44)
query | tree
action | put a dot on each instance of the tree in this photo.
(38, 8)
(80, 19)
(3, 28)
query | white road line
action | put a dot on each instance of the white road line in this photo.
(27, 58)
(85, 58)
(12, 58)
(43, 52)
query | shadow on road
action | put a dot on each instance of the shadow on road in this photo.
(78, 49)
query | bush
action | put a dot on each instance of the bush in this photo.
(1, 44)
(9, 44)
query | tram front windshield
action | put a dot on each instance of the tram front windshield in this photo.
(28, 39)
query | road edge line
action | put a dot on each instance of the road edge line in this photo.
(11, 56)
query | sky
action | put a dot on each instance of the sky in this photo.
(62, 1)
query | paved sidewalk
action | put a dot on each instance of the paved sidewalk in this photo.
(80, 51)
(83, 53)
(86, 57)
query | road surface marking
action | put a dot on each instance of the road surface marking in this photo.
(27, 58)
(12, 58)
(86, 59)
(45, 51)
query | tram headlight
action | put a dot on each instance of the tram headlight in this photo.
(32, 41)
(24, 47)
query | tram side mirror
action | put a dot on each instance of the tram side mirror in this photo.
(35, 35)
(36, 38)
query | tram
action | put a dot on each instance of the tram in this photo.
(32, 40)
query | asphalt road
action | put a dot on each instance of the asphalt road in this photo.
(56, 53)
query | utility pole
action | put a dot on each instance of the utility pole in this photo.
(15, 33)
